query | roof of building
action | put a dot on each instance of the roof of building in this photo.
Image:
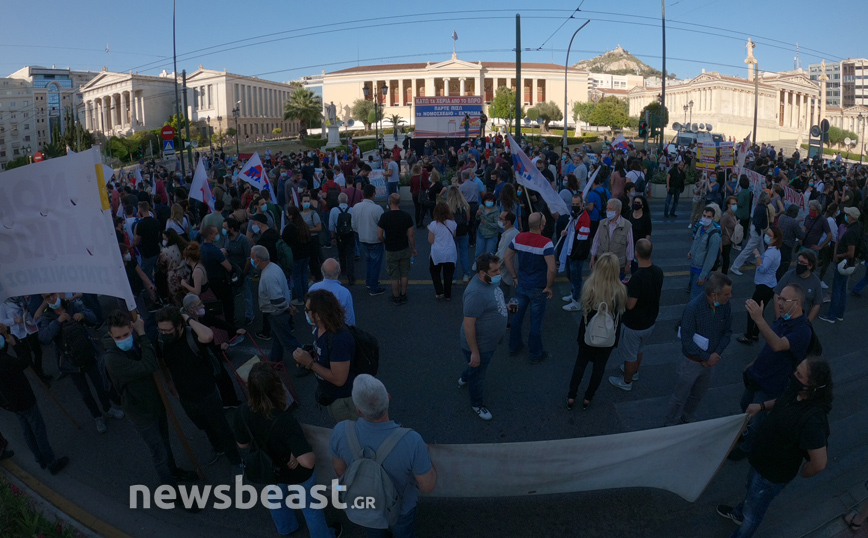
(414, 66)
(612, 91)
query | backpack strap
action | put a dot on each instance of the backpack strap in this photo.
(353, 440)
(390, 443)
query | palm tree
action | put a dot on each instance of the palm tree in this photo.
(304, 107)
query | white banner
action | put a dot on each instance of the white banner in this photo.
(199, 188)
(682, 459)
(56, 230)
(526, 174)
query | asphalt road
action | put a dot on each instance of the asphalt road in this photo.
(421, 362)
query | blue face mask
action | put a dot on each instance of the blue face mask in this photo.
(126, 344)
(225, 231)
(716, 304)
(309, 321)
(255, 228)
(55, 305)
(495, 280)
(787, 317)
(252, 262)
(489, 204)
(306, 205)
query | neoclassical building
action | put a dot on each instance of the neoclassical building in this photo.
(788, 104)
(122, 103)
(454, 77)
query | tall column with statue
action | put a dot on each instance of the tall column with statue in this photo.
(332, 123)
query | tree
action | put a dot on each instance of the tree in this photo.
(56, 148)
(583, 111)
(118, 149)
(549, 112)
(610, 112)
(654, 108)
(503, 106)
(837, 136)
(18, 161)
(277, 130)
(304, 107)
(361, 111)
(218, 137)
(231, 131)
(395, 120)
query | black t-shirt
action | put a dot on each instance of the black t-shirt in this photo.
(300, 250)
(645, 285)
(850, 237)
(395, 225)
(149, 230)
(212, 259)
(641, 226)
(285, 439)
(135, 280)
(342, 348)
(783, 439)
(676, 180)
(192, 372)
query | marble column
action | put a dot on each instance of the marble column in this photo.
(429, 87)
(446, 87)
(461, 86)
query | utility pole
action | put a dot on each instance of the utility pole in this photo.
(187, 126)
(177, 102)
(755, 97)
(663, 85)
(519, 87)
(566, 67)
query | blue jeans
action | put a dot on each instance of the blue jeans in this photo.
(300, 275)
(475, 377)
(673, 198)
(862, 283)
(576, 281)
(286, 521)
(405, 527)
(374, 255)
(760, 494)
(695, 289)
(247, 294)
(392, 187)
(35, 436)
(839, 295)
(536, 299)
(284, 342)
(156, 436)
(751, 397)
(485, 244)
(463, 244)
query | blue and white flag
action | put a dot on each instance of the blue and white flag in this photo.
(199, 188)
(254, 173)
(527, 175)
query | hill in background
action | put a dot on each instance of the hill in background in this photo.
(619, 62)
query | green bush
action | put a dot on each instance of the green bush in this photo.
(571, 140)
(19, 517)
(830, 151)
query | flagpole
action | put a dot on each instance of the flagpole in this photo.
(177, 103)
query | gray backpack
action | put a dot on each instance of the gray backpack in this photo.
(366, 478)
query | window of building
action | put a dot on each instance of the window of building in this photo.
(27, 138)
(26, 126)
(209, 96)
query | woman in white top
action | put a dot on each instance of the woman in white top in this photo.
(765, 278)
(178, 221)
(441, 236)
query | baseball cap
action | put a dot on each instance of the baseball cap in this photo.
(852, 212)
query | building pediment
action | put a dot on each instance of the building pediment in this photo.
(453, 63)
(103, 79)
(856, 110)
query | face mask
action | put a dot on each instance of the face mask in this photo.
(126, 344)
(767, 240)
(200, 312)
(252, 262)
(255, 228)
(518, 192)
(811, 183)
(128, 256)
(343, 206)
(501, 225)
(168, 338)
(611, 214)
(165, 242)
(637, 207)
(55, 305)
(495, 279)
(309, 321)
(795, 383)
(489, 204)
(262, 209)
(705, 222)
(801, 269)
(2, 341)
(224, 231)
(306, 205)
(813, 214)
(846, 219)
(734, 208)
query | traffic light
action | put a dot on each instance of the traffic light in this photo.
(643, 130)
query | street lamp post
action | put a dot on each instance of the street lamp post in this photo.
(235, 113)
(210, 132)
(685, 113)
(220, 130)
(566, 66)
(861, 119)
(26, 150)
(382, 113)
(690, 105)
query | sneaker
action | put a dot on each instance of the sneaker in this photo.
(635, 376)
(483, 413)
(461, 382)
(57, 465)
(572, 307)
(466, 278)
(213, 456)
(100, 425)
(673, 215)
(115, 412)
(378, 291)
(395, 300)
(237, 339)
(537, 360)
(297, 302)
(827, 319)
(727, 512)
(263, 336)
(824, 285)
(567, 298)
(403, 299)
(618, 381)
(827, 298)
(840, 319)
(735, 271)
(183, 475)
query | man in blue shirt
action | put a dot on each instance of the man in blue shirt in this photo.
(595, 205)
(706, 328)
(787, 343)
(331, 272)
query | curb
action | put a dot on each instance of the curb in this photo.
(51, 503)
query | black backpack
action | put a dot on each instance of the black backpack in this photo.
(367, 357)
(344, 226)
(77, 345)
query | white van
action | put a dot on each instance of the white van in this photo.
(685, 138)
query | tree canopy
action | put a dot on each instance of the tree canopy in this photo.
(549, 112)
(503, 106)
(303, 106)
(362, 111)
(654, 108)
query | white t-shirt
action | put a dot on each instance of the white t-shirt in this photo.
(443, 249)
(341, 180)
(396, 172)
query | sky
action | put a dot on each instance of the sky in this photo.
(283, 40)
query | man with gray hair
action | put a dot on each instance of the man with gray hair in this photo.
(706, 328)
(615, 235)
(274, 298)
(407, 462)
(331, 272)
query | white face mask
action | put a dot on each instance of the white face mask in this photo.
(165, 242)
(611, 214)
(705, 222)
